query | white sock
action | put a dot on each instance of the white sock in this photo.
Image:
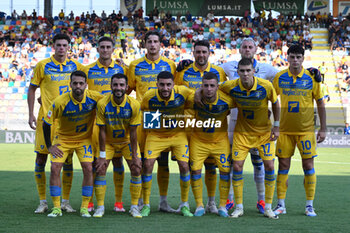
(239, 206)
(211, 199)
(267, 206)
(133, 206)
(281, 202)
(65, 200)
(309, 202)
(182, 204)
(163, 198)
(43, 202)
(101, 207)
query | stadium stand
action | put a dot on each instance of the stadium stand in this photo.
(25, 41)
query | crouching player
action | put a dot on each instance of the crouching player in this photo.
(75, 113)
(118, 116)
(211, 141)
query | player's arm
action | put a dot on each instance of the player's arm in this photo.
(30, 101)
(101, 162)
(53, 149)
(275, 131)
(136, 162)
(321, 135)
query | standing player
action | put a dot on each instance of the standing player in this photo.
(52, 76)
(253, 130)
(169, 100)
(264, 71)
(191, 77)
(99, 76)
(205, 142)
(75, 114)
(118, 116)
(298, 89)
(142, 76)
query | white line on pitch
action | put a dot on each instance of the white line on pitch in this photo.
(324, 161)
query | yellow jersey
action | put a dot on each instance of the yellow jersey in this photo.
(252, 105)
(99, 76)
(53, 79)
(297, 94)
(142, 74)
(171, 111)
(191, 76)
(118, 118)
(215, 116)
(75, 119)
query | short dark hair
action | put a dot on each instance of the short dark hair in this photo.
(152, 33)
(165, 75)
(119, 76)
(61, 36)
(105, 38)
(296, 49)
(201, 43)
(245, 62)
(78, 73)
(209, 76)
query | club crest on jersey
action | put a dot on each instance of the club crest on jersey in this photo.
(127, 113)
(149, 152)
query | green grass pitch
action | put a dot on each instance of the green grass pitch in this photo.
(19, 198)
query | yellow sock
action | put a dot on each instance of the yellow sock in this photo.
(224, 188)
(86, 194)
(118, 177)
(210, 179)
(55, 192)
(67, 178)
(100, 189)
(163, 179)
(310, 183)
(282, 184)
(146, 187)
(237, 183)
(197, 189)
(40, 179)
(185, 180)
(135, 189)
(93, 190)
(270, 181)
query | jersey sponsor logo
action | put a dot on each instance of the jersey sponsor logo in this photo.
(102, 82)
(293, 106)
(151, 120)
(294, 92)
(148, 79)
(248, 114)
(81, 128)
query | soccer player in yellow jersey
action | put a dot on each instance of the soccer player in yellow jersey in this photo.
(52, 76)
(298, 89)
(99, 76)
(167, 100)
(191, 77)
(142, 75)
(75, 113)
(253, 130)
(118, 116)
(211, 141)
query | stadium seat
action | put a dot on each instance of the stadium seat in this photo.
(29, 22)
(24, 96)
(55, 18)
(11, 84)
(8, 17)
(13, 22)
(6, 27)
(8, 22)
(2, 97)
(18, 22)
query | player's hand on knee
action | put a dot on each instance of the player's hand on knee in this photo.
(275, 132)
(321, 136)
(32, 122)
(101, 164)
(55, 151)
(136, 165)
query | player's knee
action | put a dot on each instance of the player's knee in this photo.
(148, 166)
(41, 159)
(237, 167)
(283, 164)
(308, 164)
(87, 168)
(135, 172)
(183, 167)
(269, 166)
(56, 169)
(196, 172)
